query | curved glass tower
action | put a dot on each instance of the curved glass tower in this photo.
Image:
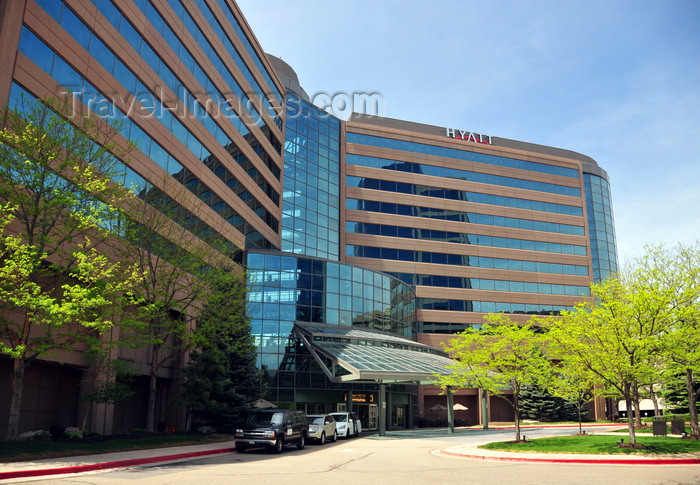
(601, 224)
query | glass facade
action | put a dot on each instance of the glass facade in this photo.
(285, 289)
(601, 226)
(536, 218)
(311, 206)
(103, 103)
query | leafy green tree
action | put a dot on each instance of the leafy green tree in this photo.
(55, 286)
(112, 379)
(173, 283)
(221, 381)
(503, 358)
(679, 270)
(614, 340)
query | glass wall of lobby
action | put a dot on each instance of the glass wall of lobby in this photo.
(285, 289)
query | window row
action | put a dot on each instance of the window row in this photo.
(463, 260)
(293, 287)
(489, 307)
(459, 216)
(274, 267)
(453, 194)
(491, 285)
(415, 147)
(468, 175)
(462, 238)
(269, 305)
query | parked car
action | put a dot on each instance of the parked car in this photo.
(347, 424)
(321, 427)
(274, 429)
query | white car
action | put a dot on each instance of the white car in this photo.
(321, 427)
(347, 424)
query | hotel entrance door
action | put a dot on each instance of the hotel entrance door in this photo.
(368, 414)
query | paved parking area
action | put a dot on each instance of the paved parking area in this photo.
(410, 457)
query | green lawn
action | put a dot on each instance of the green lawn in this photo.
(598, 445)
(34, 450)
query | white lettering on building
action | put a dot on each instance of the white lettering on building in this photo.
(468, 136)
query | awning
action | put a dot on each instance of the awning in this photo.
(348, 353)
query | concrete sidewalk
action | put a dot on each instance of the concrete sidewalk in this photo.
(122, 459)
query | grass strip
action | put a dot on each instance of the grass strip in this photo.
(598, 445)
(11, 451)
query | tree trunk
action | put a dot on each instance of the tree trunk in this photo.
(580, 418)
(637, 410)
(654, 400)
(630, 419)
(516, 412)
(17, 383)
(152, 388)
(692, 403)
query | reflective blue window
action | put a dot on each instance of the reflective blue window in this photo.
(472, 176)
(485, 219)
(463, 260)
(460, 154)
(310, 209)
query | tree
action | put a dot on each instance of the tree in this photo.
(567, 382)
(221, 381)
(55, 285)
(173, 282)
(536, 403)
(680, 273)
(615, 339)
(503, 358)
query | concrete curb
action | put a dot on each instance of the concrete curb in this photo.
(109, 464)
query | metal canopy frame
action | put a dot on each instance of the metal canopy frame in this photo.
(356, 354)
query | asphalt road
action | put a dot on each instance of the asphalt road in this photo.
(401, 458)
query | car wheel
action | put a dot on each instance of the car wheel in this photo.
(334, 438)
(240, 448)
(302, 443)
(322, 439)
(279, 446)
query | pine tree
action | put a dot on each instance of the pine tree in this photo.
(221, 381)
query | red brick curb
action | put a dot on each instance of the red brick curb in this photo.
(595, 461)
(109, 464)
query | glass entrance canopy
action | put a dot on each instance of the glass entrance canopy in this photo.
(347, 353)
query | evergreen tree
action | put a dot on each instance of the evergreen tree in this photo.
(221, 381)
(542, 406)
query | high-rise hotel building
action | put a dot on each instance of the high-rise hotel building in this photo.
(367, 242)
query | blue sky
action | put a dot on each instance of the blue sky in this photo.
(618, 81)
